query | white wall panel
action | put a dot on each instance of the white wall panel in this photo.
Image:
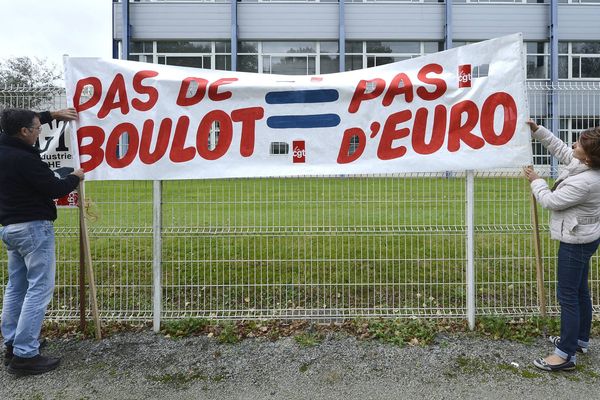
(176, 20)
(288, 21)
(399, 21)
(486, 21)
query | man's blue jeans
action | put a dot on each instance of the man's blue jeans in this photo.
(31, 271)
(574, 296)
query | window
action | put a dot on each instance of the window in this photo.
(579, 60)
(364, 54)
(289, 58)
(537, 60)
(196, 54)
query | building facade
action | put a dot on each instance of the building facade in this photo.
(307, 37)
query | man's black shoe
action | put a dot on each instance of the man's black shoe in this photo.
(32, 366)
(8, 354)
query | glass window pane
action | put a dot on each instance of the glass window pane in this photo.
(531, 47)
(195, 62)
(590, 67)
(182, 46)
(330, 64)
(563, 47)
(290, 65)
(223, 47)
(223, 62)
(563, 67)
(575, 73)
(289, 47)
(585, 47)
(330, 47)
(354, 47)
(247, 63)
(393, 47)
(433, 47)
(140, 47)
(353, 62)
(459, 44)
(247, 47)
(537, 67)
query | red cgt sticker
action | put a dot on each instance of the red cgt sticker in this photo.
(298, 151)
(464, 75)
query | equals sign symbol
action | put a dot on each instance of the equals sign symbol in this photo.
(303, 97)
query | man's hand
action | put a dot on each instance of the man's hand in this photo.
(78, 173)
(68, 114)
(530, 174)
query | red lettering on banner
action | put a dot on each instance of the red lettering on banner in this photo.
(385, 151)
(437, 132)
(439, 83)
(92, 149)
(112, 145)
(488, 110)
(248, 118)
(213, 93)
(150, 91)
(399, 85)
(396, 89)
(116, 89)
(459, 131)
(162, 141)
(183, 100)
(179, 153)
(344, 156)
(92, 101)
(116, 96)
(361, 94)
(225, 135)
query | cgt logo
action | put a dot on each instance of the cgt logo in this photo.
(299, 151)
(464, 75)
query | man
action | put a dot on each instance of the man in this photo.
(27, 211)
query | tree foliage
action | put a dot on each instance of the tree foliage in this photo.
(28, 72)
(28, 82)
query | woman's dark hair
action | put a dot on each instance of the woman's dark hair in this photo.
(13, 119)
(590, 143)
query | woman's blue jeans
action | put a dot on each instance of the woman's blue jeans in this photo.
(31, 271)
(574, 296)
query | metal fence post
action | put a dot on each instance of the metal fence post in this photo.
(470, 250)
(156, 253)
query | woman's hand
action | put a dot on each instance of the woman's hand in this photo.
(530, 174)
(532, 125)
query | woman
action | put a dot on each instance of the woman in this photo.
(574, 201)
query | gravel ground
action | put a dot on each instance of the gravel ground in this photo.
(145, 365)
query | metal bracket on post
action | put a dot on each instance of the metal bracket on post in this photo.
(156, 254)
(470, 217)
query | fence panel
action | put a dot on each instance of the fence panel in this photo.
(318, 248)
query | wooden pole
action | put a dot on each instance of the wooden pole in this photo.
(88, 260)
(82, 297)
(541, 292)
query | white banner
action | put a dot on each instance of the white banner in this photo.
(455, 110)
(55, 150)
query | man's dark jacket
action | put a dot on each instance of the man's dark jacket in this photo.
(27, 185)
